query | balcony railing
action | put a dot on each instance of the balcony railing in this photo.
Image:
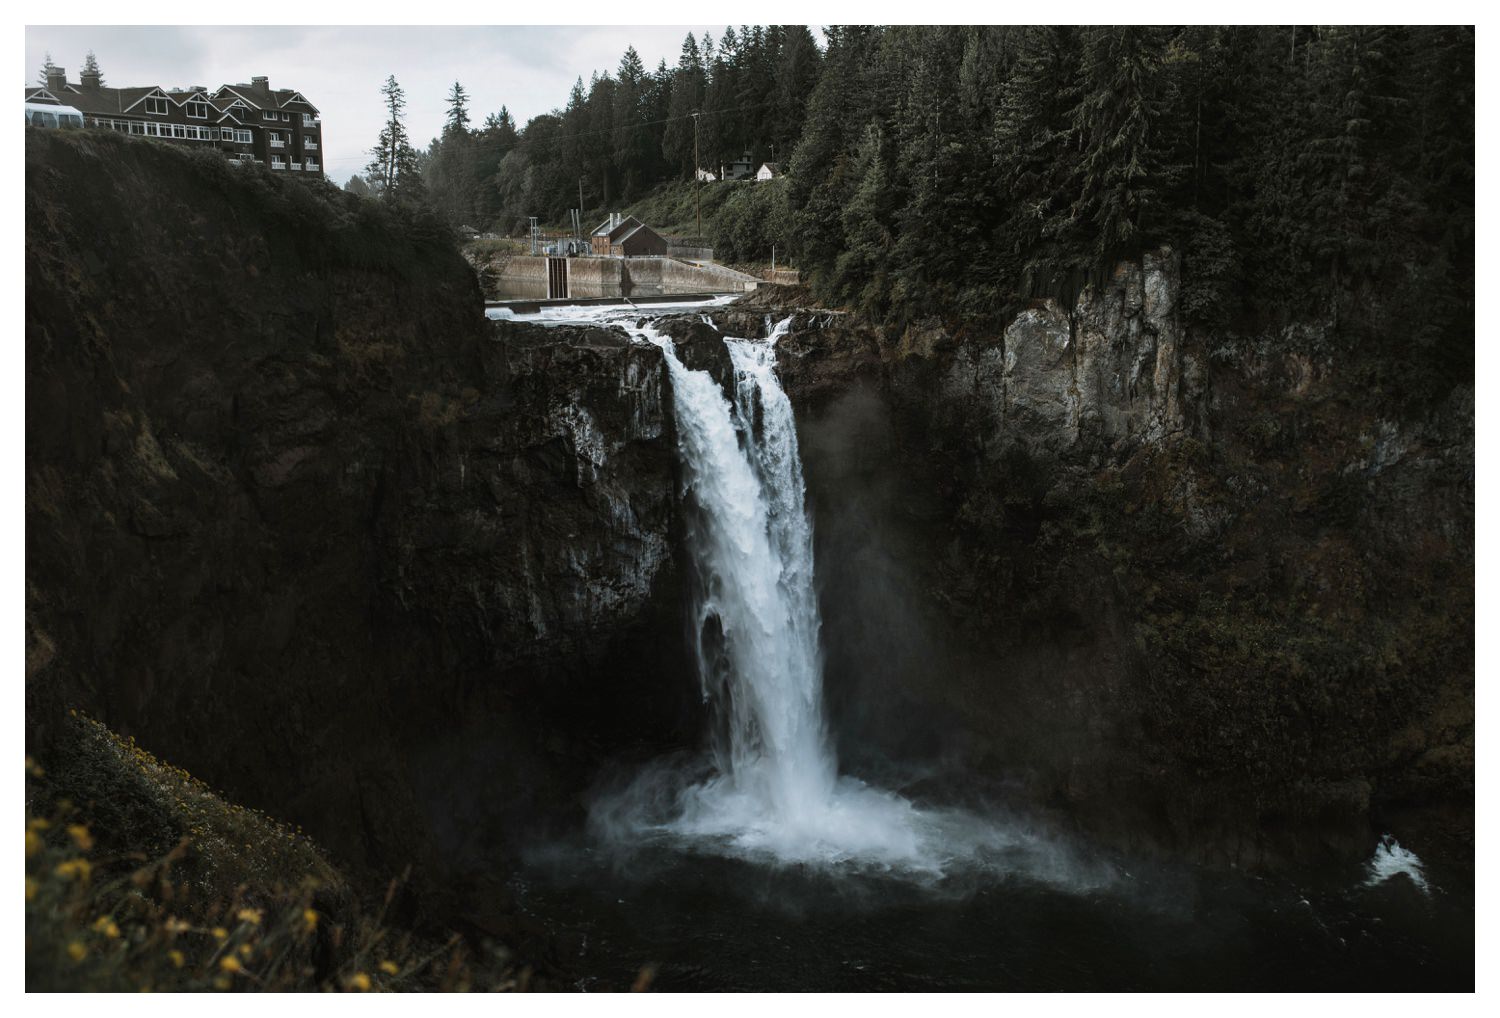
(296, 166)
(310, 121)
(314, 167)
(277, 164)
(308, 145)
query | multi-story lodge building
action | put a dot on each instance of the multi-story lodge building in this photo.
(249, 123)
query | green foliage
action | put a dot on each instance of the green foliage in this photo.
(751, 221)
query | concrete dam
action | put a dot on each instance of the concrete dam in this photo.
(528, 276)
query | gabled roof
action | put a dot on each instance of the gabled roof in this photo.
(184, 96)
(626, 226)
(133, 97)
(263, 98)
(638, 228)
(37, 94)
(104, 100)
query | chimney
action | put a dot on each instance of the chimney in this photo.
(89, 79)
(262, 81)
(56, 79)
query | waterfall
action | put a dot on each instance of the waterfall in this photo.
(774, 791)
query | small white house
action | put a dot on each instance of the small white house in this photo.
(706, 176)
(768, 171)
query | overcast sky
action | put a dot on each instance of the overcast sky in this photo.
(340, 70)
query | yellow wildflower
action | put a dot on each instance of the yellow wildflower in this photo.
(309, 919)
(81, 837)
(220, 933)
(76, 951)
(175, 925)
(30, 888)
(229, 963)
(178, 960)
(221, 983)
(74, 869)
(38, 824)
(359, 981)
(105, 925)
(246, 950)
(248, 915)
(390, 968)
(33, 843)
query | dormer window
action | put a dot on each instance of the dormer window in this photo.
(156, 105)
(270, 115)
(198, 110)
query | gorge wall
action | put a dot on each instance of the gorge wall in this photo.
(1208, 591)
(303, 522)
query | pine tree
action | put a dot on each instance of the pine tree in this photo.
(687, 99)
(458, 110)
(47, 66)
(91, 66)
(394, 171)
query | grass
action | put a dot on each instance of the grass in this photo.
(140, 877)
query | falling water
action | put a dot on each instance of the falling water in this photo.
(775, 791)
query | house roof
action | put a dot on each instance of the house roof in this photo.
(265, 98)
(626, 226)
(639, 228)
(773, 167)
(103, 99)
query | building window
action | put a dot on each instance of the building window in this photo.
(156, 105)
(179, 131)
(198, 110)
(269, 115)
(309, 143)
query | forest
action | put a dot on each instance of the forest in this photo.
(964, 170)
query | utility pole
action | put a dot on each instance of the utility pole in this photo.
(697, 183)
(580, 196)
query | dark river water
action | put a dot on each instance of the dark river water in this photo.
(713, 923)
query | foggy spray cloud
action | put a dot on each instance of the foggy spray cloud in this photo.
(772, 791)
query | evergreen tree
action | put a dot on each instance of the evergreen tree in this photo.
(393, 171)
(47, 67)
(687, 98)
(458, 110)
(91, 66)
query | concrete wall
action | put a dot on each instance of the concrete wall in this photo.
(526, 276)
(692, 254)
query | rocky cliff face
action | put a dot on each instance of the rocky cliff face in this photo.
(1208, 591)
(300, 520)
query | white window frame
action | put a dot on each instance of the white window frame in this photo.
(193, 104)
(155, 105)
